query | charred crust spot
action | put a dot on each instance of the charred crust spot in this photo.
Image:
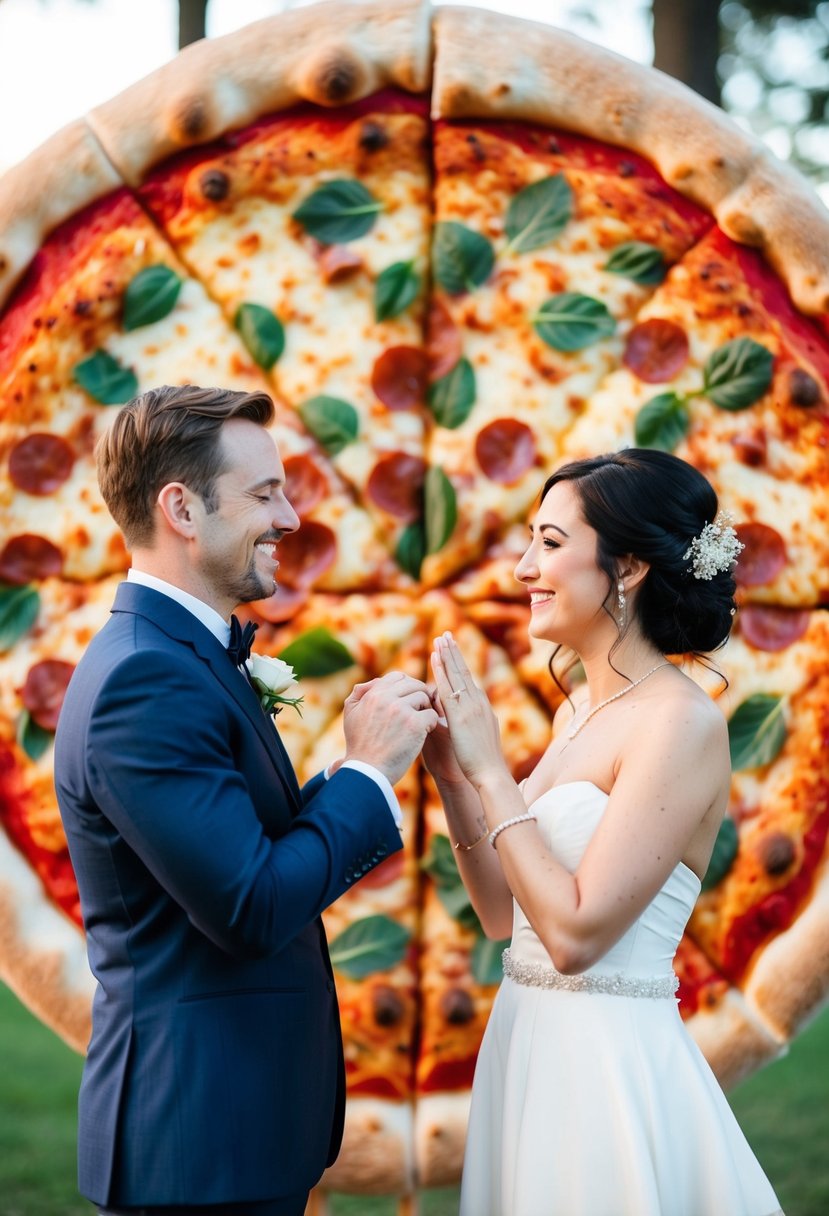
(191, 121)
(336, 79)
(387, 1006)
(373, 136)
(214, 185)
(803, 388)
(457, 1006)
(476, 147)
(82, 308)
(777, 852)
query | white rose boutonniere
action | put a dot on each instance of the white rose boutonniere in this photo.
(272, 679)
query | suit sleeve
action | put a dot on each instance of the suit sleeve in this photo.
(159, 763)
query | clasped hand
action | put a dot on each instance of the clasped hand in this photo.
(386, 722)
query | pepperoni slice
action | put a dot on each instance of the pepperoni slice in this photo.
(27, 557)
(505, 449)
(656, 350)
(395, 484)
(751, 447)
(45, 689)
(443, 340)
(306, 554)
(386, 872)
(763, 557)
(283, 605)
(40, 463)
(400, 377)
(770, 628)
(338, 262)
(305, 484)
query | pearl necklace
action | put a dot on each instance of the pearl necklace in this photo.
(608, 700)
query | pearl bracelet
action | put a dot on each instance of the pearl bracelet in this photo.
(508, 823)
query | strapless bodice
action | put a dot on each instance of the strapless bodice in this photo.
(568, 815)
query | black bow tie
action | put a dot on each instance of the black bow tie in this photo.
(241, 640)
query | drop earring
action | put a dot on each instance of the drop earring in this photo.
(622, 602)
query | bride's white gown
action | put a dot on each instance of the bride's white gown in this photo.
(599, 1103)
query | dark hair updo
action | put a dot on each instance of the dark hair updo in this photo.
(651, 505)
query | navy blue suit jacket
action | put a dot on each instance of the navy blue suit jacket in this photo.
(214, 1072)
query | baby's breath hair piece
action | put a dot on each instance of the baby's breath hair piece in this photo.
(715, 549)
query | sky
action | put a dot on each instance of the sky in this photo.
(59, 58)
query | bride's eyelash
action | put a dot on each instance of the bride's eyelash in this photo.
(551, 544)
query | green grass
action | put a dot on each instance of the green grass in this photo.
(784, 1111)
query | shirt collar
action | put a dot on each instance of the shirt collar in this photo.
(208, 616)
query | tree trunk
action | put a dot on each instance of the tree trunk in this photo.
(192, 21)
(686, 42)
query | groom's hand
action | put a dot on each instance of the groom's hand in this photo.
(386, 722)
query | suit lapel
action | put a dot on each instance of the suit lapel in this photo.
(180, 625)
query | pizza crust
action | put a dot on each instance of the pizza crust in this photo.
(491, 66)
(789, 983)
(42, 955)
(58, 179)
(733, 1040)
(440, 1136)
(330, 54)
(376, 1155)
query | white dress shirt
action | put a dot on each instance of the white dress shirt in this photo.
(220, 628)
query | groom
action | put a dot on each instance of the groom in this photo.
(214, 1081)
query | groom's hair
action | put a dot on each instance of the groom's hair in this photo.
(168, 434)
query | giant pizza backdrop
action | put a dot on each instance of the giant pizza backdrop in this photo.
(458, 249)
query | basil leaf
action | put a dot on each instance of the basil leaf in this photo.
(638, 261)
(441, 509)
(537, 214)
(262, 333)
(395, 289)
(411, 549)
(105, 379)
(334, 423)
(316, 653)
(569, 321)
(457, 904)
(662, 422)
(18, 612)
(738, 374)
(722, 858)
(439, 863)
(756, 731)
(452, 397)
(486, 960)
(461, 259)
(150, 295)
(374, 943)
(33, 739)
(338, 211)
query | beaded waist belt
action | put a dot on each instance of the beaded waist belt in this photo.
(541, 975)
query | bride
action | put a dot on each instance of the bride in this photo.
(590, 1098)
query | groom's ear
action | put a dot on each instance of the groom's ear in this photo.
(179, 510)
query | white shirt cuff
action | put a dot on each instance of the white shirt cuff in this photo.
(368, 770)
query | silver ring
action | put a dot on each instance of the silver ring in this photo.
(454, 695)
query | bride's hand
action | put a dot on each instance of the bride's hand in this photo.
(473, 727)
(438, 752)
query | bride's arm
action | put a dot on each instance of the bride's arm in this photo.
(670, 785)
(479, 866)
